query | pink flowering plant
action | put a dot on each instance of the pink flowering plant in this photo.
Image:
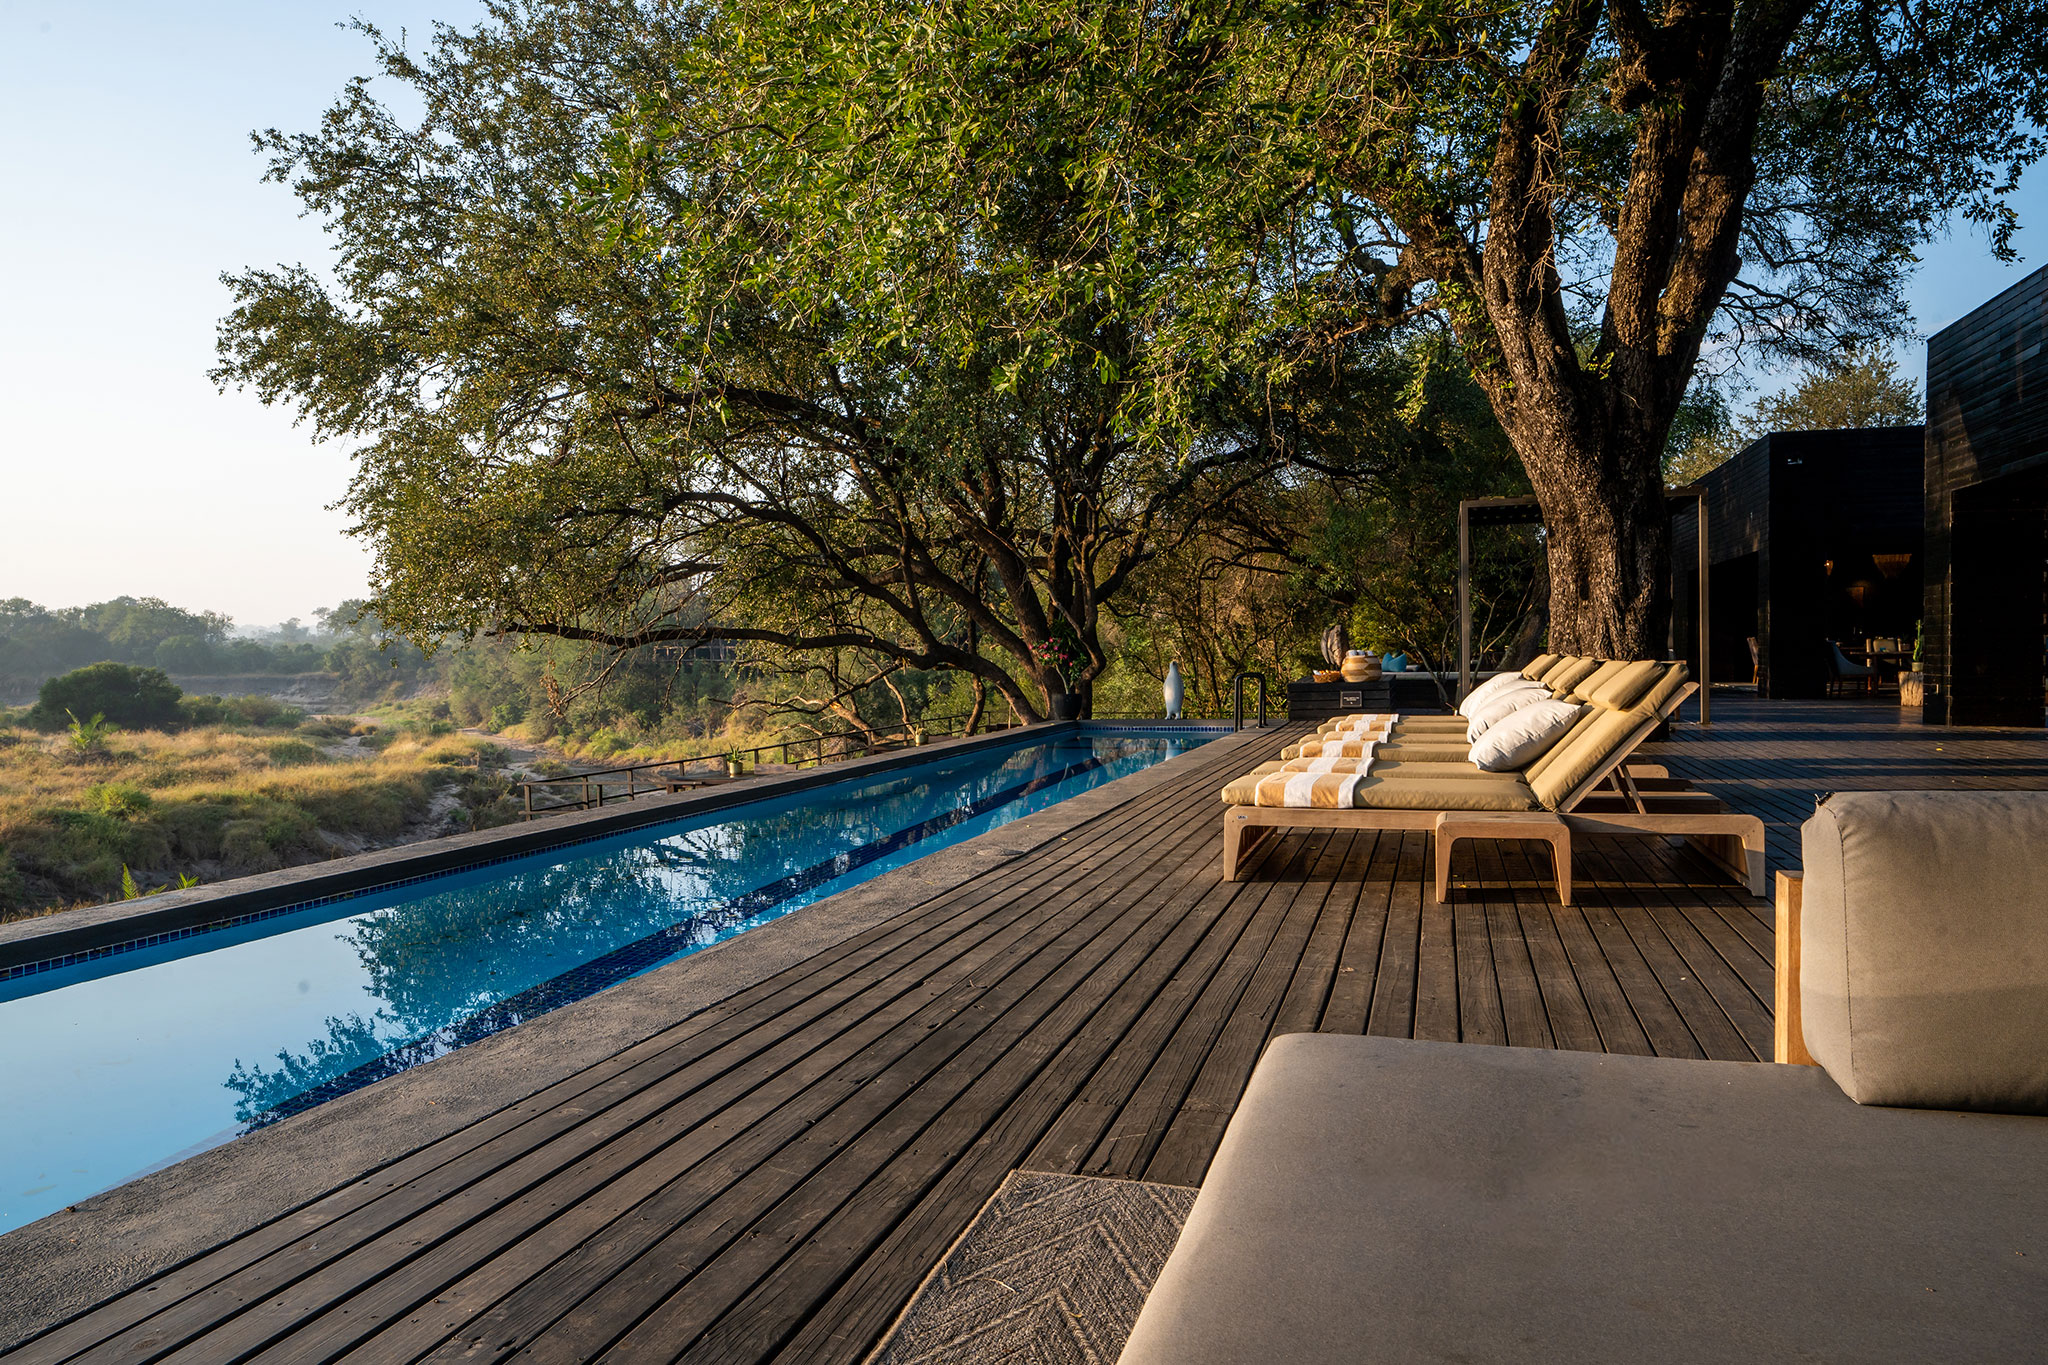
(1062, 657)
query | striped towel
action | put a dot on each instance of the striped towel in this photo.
(1316, 783)
(1326, 765)
(1362, 720)
(1336, 748)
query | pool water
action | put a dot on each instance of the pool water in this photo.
(119, 1066)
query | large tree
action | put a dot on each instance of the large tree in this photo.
(682, 403)
(1587, 193)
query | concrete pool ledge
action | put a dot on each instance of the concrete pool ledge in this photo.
(63, 1264)
(52, 939)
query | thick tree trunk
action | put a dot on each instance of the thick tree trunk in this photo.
(1609, 539)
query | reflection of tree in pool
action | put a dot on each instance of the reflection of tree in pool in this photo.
(349, 1043)
(440, 957)
(445, 956)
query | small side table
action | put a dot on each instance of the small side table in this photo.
(1454, 825)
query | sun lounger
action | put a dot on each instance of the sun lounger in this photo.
(1582, 783)
(1386, 1199)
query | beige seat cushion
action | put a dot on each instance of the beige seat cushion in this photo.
(1398, 793)
(1924, 948)
(1381, 1199)
(1428, 751)
(1454, 769)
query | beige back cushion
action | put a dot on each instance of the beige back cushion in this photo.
(1624, 686)
(1539, 665)
(1574, 761)
(1923, 975)
(1587, 715)
(1582, 690)
(1661, 689)
(1562, 679)
(1557, 667)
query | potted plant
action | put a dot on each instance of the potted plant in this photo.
(735, 764)
(1913, 683)
(1061, 659)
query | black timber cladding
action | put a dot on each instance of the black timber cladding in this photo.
(1986, 476)
(1795, 521)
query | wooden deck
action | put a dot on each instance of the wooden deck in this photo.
(770, 1179)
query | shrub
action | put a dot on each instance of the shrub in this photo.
(261, 712)
(291, 753)
(327, 727)
(133, 698)
(89, 737)
(505, 715)
(118, 799)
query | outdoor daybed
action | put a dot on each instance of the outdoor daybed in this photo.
(1381, 1199)
(1420, 776)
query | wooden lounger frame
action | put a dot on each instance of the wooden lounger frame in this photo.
(1730, 839)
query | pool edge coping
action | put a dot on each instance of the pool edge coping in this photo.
(65, 1264)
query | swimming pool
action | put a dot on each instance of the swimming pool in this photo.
(121, 1065)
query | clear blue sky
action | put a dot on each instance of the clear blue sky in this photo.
(129, 188)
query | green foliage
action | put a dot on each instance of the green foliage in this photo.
(117, 799)
(1861, 388)
(130, 697)
(255, 711)
(89, 737)
(292, 753)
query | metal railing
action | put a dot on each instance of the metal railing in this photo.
(1237, 698)
(600, 786)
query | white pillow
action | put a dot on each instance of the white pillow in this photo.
(1499, 685)
(1518, 739)
(1507, 703)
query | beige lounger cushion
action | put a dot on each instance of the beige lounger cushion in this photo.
(1675, 677)
(1481, 791)
(1427, 750)
(1625, 686)
(1592, 742)
(1399, 793)
(1539, 665)
(1923, 976)
(1451, 770)
(1565, 664)
(1562, 679)
(1587, 749)
(1582, 690)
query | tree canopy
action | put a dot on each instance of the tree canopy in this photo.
(886, 337)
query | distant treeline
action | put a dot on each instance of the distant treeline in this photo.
(38, 642)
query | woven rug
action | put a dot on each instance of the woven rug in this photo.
(1052, 1271)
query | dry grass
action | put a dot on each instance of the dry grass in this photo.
(221, 802)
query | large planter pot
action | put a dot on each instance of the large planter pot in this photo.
(1912, 689)
(1174, 691)
(1360, 667)
(1066, 706)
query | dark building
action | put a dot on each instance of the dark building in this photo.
(1812, 537)
(1987, 488)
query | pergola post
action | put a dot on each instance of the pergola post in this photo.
(1464, 600)
(1524, 511)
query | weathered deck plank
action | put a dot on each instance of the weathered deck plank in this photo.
(771, 1178)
